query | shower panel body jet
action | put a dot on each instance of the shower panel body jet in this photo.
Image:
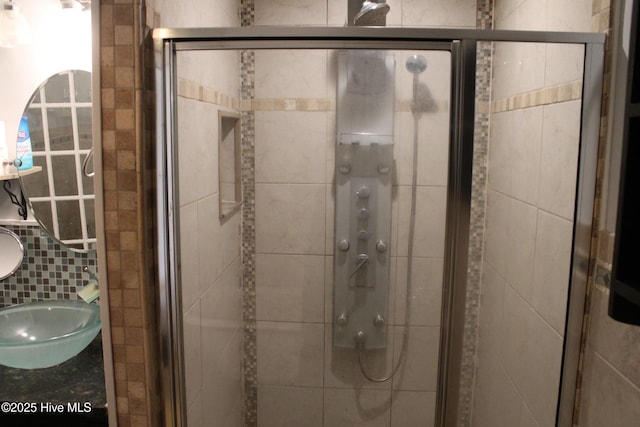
(364, 168)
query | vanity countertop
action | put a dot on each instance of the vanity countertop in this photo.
(77, 384)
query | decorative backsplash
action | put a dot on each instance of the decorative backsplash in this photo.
(48, 271)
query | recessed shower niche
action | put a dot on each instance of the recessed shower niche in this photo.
(229, 162)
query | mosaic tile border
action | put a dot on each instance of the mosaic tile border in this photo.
(48, 271)
(192, 90)
(476, 237)
(248, 227)
(484, 64)
(321, 104)
(549, 95)
(289, 104)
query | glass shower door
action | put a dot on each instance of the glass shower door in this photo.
(319, 301)
(315, 204)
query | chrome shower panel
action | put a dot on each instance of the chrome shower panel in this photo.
(363, 223)
(364, 165)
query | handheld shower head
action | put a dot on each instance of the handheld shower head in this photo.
(416, 64)
(371, 13)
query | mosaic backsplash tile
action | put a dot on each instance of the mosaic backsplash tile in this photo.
(48, 271)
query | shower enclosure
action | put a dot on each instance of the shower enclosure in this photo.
(339, 241)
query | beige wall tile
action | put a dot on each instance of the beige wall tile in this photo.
(524, 162)
(551, 269)
(564, 63)
(290, 218)
(518, 68)
(303, 12)
(609, 398)
(440, 13)
(532, 357)
(419, 368)
(195, 412)
(413, 409)
(344, 407)
(520, 248)
(175, 14)
(222, 397)
(426, 291)
(290, 288)
(197, 150)
(569, 15)
(496, 400)
(221, 349)
(559, 158)
(218, 242)
(291, 74)
(433, 144)
(291, 354)
(499, 172)
(490, 332)
(337, 13)
(289, 406)
(497, 216)
(192, 353)
(187, 158)
(222, 302)
(290, 147)
(428, 238)
(521, 15)
(190, 277)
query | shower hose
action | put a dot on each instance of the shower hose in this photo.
(412, 220)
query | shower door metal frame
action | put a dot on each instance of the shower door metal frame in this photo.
(462, 45)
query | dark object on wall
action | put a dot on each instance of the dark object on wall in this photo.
(624, 299)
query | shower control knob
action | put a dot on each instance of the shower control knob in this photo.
(362, 258)
(342, 319)
(363, 192)
(360, 337)
(343, 245)
(381, 246)
(345, 168)
(364, 213)
(378, 321)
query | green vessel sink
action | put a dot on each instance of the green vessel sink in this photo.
(46, 333)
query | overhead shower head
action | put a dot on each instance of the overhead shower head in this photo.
(371, 13)
(416, 64)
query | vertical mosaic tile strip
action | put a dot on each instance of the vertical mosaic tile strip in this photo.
(49, 270)
(248, 236)
(478, 204)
